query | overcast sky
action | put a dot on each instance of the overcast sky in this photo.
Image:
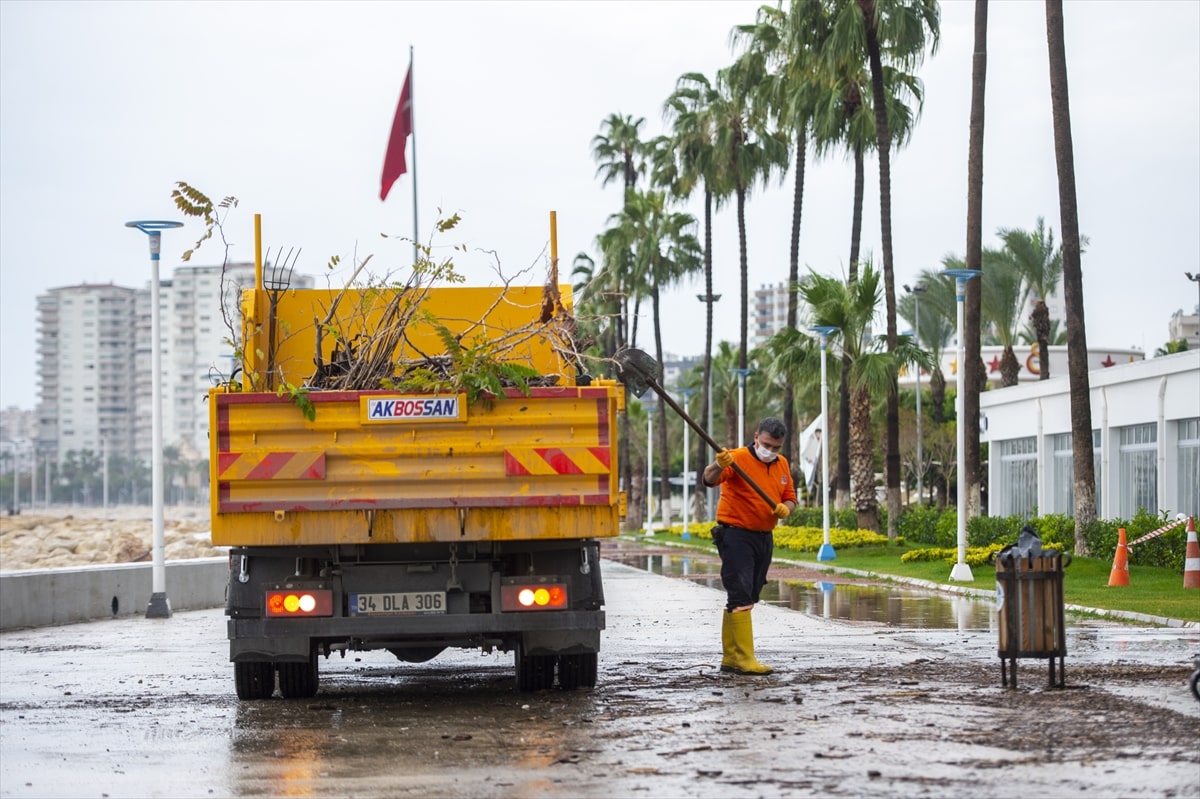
(287, 106)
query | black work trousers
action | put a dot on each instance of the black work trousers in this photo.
(745, 558)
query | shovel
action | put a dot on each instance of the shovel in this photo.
(639, 372)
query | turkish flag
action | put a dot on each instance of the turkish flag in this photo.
(394, 164)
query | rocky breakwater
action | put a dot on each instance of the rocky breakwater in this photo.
(60, 538)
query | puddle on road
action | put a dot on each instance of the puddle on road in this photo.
(895, 607)
(909, 609)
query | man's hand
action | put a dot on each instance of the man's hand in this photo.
(782, 511)
(724, 458)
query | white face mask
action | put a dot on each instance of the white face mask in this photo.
(765, 455)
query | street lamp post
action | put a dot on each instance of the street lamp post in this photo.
(741, 431)
(826, 551)
(961, 571)
(160, 605)
(1196, 279)
(649, 404)
(917, 291)
(686, 392)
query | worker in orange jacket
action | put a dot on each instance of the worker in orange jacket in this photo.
(743, 534)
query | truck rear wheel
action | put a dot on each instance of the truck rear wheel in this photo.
(577, 671)
(534, 672)
(255, 679)
(299, 680)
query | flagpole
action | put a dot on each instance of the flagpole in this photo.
(412, 89)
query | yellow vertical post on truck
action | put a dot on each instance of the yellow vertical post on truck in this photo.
(412, 520)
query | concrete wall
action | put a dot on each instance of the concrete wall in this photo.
(42, 597)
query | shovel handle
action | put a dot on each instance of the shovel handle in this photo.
(660, 391)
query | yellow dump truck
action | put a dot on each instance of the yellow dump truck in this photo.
(411, 521)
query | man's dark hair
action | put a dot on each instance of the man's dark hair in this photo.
(773, 427)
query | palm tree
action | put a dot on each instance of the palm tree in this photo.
(748, 151)
(1172, 347)
(1077, 368)
(938, 322)
(788, 42)
(898, 27)
(689, 112)
(849, 307)
(725, 391)
(1034, 255)
(620, 153)
(974, 376)
(618, 150)
(597, 308)
(938, 319)
(666, 251)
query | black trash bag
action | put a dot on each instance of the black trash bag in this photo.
(1029, 545)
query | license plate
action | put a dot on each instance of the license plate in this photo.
(414, 602)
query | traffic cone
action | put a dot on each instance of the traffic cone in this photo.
(1120, 568)
(1191, 558)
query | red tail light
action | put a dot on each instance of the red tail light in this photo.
(299, 602)
(533, 596)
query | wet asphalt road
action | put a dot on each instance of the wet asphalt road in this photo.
(136, 707)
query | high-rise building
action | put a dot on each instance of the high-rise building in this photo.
(86, 344)
(96, 361)
(770, 313)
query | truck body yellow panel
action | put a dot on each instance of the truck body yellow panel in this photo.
(514, 467)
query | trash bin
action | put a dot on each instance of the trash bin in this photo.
(1029, 604)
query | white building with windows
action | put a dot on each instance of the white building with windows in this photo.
(86, 345)
(95, 359)
(1145, 440)
(770, 313)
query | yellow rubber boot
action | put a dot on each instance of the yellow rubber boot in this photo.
(729, 661)
(742, 631)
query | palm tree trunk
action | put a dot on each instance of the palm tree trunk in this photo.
(862, 458)
(1077, 369)
(1010, 367)
(973, 374)
(937, 396)
(1041, 326)
(664, 482)
(883, 136)
(744, 265)
(843, 438)
(789, 393)
(708, 329)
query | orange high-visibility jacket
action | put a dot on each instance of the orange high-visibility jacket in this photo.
(740, 505)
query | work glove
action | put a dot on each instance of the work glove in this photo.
(724, 458)
(782, 511)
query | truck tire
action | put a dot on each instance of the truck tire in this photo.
(577, 671)
(534, 672)
(299, 680)
(255, 679)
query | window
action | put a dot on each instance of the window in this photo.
(1017, 477)
(1062, 471)
(1138, 469)
(1189, 467)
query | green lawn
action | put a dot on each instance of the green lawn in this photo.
(1151, 590)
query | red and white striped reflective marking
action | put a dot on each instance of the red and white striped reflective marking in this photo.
(538, 461)
(271, 466)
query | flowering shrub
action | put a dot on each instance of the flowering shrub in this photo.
(975, 556)
(799, 539)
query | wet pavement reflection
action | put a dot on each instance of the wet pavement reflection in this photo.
(902, 609)
(891, 605)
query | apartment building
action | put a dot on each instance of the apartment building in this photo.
(96, 361)
(86, 367)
